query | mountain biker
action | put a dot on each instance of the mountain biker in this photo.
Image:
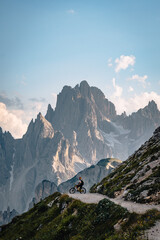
(80, 184)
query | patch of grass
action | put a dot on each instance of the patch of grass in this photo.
(70, 219)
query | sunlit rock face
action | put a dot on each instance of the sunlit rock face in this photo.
(81, 114)
(42, 153)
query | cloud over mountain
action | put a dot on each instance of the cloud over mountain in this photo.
(141, 79)
(11, 102)
(123, 62)
(10, 122)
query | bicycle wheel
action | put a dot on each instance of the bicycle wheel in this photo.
(72, 190)
(83, 190)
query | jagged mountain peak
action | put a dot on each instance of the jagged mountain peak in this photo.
(151, 107)
(5, 133)
(40, 127)
(152, 103)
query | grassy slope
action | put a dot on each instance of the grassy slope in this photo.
(69, 219)
(136, 165)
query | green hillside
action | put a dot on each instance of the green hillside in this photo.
(138, 178)
(60, 217)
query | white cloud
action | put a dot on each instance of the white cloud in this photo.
(110, 62)
(71, 11)
(130, 89)
(123, 62)
(54, 100)
(141, 79)
(10, 122)
(118, 89)
(134, 103)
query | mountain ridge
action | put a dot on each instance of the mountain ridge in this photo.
(138, 178)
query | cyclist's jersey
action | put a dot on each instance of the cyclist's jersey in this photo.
(81, 183)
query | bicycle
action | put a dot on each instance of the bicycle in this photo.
(75, 189)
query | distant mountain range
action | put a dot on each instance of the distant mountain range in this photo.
(83, 129)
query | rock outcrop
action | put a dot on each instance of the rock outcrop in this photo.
(138, 178)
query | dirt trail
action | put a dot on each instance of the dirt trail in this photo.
(151, 234)
(131, 206)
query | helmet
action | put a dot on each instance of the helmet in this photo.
(80, 178)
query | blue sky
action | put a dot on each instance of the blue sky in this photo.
(45, 45)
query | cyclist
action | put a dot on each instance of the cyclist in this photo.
(80, 184)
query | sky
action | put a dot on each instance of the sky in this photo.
(45, 45)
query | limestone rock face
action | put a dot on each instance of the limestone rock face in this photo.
(41, 154)
(140, 124)
(83, 111)
(7, 154)
(84, 115)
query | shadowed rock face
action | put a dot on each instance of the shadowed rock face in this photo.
(7, 153)
(6, 156)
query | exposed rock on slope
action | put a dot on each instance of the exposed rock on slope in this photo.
(138, 178)
(91, 175)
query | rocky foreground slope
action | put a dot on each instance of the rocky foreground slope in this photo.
(138, 178)
(59, 217)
